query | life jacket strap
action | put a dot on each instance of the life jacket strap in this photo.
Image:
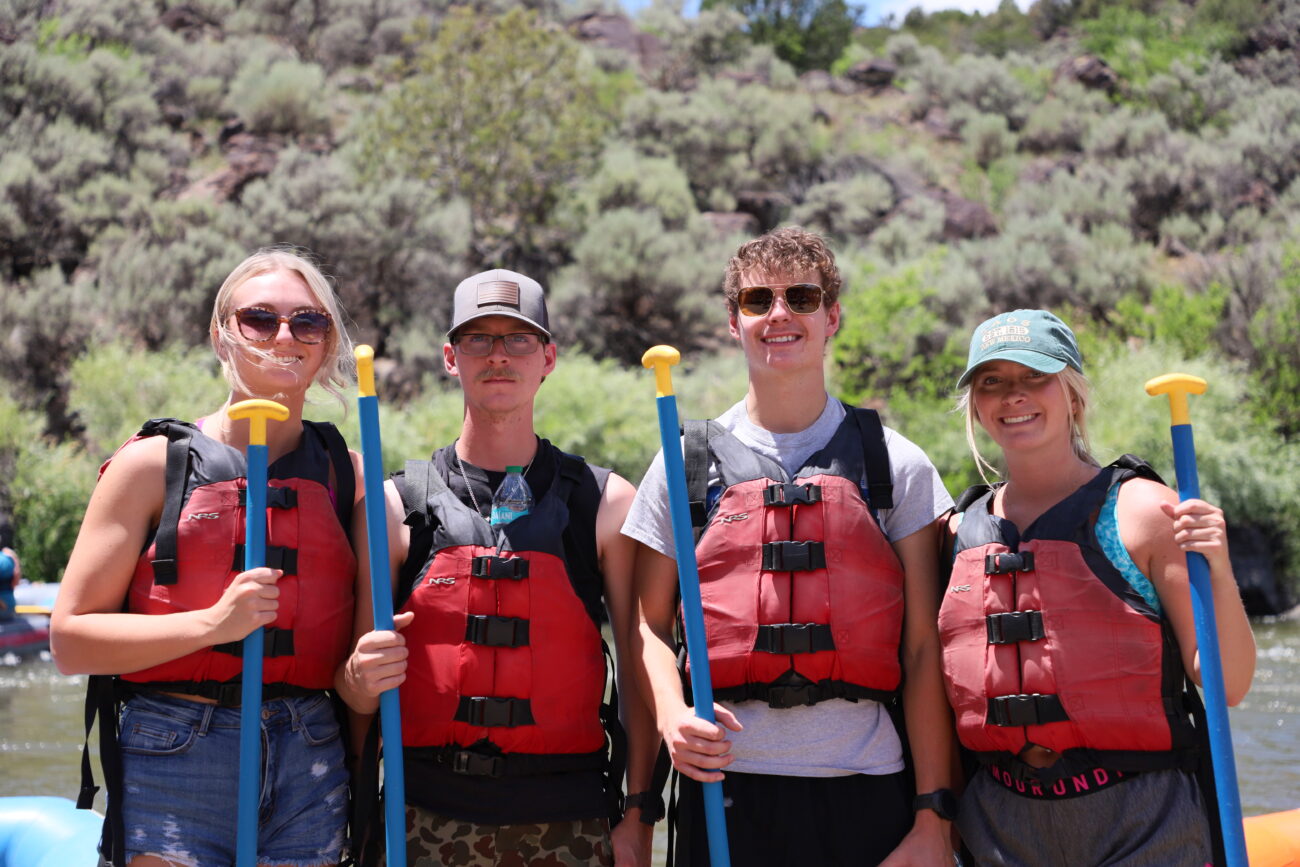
(486, 760)
(493, 631)
(275, 642)
(1026, 710)
(791, 494)
(794, 638)
(277, 557)
(793, 556)
(490, 566)
(1006, 562)
(276, 498)
(493, 712)
(1014, 626)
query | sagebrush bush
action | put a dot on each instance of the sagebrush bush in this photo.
(287, 96)
(851, 208)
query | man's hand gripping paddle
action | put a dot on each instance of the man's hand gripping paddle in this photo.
(1177, 386)
(258, 412)
(381, 597)
(660, 358)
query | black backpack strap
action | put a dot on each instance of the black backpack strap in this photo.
(1137, 467)
(345, 478)
(179, 435)
(102, 703)
(616, 760)
(880, 479)
(696, 458)
(970, 497)
(570, 472)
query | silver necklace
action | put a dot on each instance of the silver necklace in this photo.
(473, 499)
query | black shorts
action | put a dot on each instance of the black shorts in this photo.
(775, 821)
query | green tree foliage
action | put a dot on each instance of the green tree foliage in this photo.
(807, 34)
(1275, 332)
(502, 113)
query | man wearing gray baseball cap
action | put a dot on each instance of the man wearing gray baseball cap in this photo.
(510, 742)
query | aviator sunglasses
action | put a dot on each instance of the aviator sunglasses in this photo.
(515, 343)
(803, 298)
(260, 325)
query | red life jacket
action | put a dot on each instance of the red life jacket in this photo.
(802, 592)
(198, 549)
(506, 673)
(1046, 643)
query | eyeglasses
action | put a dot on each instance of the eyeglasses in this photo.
(804, 298)
(260, 325)
(515, 343)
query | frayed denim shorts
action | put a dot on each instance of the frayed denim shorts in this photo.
(180, 762)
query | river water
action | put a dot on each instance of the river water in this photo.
(41, 727)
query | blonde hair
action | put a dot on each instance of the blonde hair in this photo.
(1076, 387)
(339, 369)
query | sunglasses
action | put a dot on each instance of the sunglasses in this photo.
(516, 343)
(260, 325)
(801, 298)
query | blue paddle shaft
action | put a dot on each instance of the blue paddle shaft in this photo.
(688, 579)
(250, 709)
(381, 597)
(1207, 638)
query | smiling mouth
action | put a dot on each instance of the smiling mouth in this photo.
(1019, 419)
(782, 338)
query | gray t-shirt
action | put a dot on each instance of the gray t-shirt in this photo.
(831, 738)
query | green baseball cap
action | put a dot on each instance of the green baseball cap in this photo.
(1034, 338)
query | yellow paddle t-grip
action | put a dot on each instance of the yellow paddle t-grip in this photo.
(1177, 386)
(661, 358)
(365, 355)
(258, 412)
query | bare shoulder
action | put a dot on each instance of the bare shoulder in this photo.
(136, 461)
(615, 503)
(1142, 521)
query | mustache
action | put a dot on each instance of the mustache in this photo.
(497, 373)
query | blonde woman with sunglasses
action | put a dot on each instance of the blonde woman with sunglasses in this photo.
(817, 569)
(155, 602)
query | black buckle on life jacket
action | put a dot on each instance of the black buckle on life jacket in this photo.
(794, 638)
(276, 498)
(275, 642)
(277, 557)
(491, 566)
(477, 764)
(1013, 626)
(165, 572)
(790, 494)
(1026, 710)
(793, 695)
(493, 631)
(492, 712)
(1008, 561)
(793, 556)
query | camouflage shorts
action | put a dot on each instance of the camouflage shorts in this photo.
(437, 841)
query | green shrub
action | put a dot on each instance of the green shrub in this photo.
(287, 96)
(846, 208)
(114, 389)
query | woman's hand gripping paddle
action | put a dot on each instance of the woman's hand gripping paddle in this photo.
(381, 597)
(660, 358)
(1177, 386)
(258, 412)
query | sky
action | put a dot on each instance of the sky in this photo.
(876, 10)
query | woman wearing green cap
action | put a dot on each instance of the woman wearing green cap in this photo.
(1069, 645)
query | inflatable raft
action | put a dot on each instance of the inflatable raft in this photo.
(41, 831)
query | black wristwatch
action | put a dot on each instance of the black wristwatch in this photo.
(651, 804)
(942, 801)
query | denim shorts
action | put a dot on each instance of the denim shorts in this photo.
(180, 763)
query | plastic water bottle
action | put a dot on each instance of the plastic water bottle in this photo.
(513, 498)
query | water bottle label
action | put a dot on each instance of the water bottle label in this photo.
(502, 515)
